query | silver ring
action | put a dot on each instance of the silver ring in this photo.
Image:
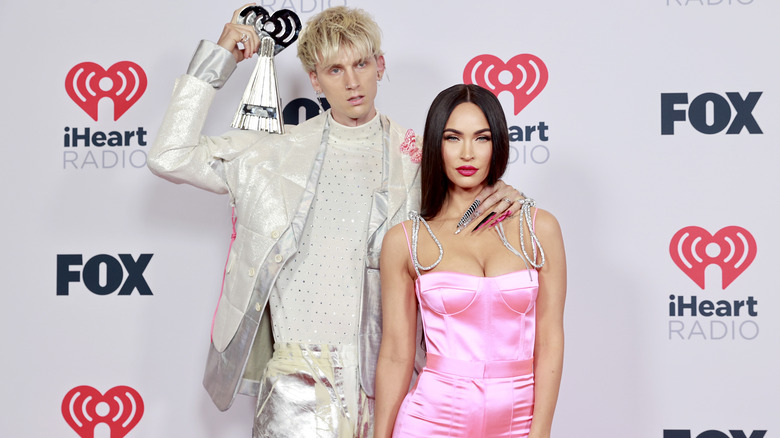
(244, 37)
(507, 200)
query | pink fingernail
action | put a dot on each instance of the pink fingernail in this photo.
(502, 217)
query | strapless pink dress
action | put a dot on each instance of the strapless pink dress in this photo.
(478, 380)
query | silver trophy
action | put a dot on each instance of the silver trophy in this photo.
(261, 106)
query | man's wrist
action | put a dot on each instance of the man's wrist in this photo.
(212, 63)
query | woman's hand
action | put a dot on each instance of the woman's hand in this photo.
(234, 34)
(500, 200)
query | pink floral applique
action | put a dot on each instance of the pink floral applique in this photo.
(409, 147)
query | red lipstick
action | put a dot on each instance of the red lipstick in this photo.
(467, 170)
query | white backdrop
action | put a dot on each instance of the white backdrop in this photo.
(620, 189)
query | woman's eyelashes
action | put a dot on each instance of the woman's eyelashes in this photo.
(453, 137)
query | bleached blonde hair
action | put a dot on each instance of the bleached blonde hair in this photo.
(334, 29)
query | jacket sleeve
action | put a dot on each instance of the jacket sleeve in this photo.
(180, 153)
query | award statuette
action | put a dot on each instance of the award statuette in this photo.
(261, 106)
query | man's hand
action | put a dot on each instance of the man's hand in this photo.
(234, 34)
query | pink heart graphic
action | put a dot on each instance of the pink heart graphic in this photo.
(736, 251)
(528, 76)
(80, 410)
(127, 84)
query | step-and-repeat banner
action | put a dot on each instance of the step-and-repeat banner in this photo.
(648, 127)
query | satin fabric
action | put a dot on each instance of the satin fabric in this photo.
(481, 332)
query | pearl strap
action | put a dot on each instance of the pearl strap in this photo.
(416, 219)
(525, 216)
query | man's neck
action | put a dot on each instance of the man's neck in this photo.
(352, 123)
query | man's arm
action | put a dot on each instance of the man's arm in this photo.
(180, 153)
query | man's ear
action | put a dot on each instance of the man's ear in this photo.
(380, 67)
(315, 83)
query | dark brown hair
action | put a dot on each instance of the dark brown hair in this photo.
(434, 179)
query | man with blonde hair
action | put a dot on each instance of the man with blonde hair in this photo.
(298, 323)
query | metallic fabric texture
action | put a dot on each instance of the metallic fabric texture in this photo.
(312, 391)
(270, 180)
(212, 63)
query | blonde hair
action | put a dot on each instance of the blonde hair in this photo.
(334, 29)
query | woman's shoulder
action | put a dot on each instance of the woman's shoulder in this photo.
(395, 245)
(545, 224)
(542, 216)
(399, 231)
(539, 216)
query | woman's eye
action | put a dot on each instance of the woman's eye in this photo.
(483, 138)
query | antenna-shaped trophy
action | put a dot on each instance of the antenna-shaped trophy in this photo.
(261, 106)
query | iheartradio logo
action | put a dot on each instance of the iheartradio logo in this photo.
(120, 408)
(87, 83)
(524, 76)
(732, 249)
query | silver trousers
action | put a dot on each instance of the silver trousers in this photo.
(313, 391)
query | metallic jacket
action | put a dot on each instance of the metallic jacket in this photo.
(272, 180)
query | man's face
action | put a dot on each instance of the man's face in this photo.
(349, 82)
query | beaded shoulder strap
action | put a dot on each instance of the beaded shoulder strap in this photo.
(536, 247)
(416, 219)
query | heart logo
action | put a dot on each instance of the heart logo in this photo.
(283, 26)
(84, 407)
(732, 249)
(124, 83)
(524, 76)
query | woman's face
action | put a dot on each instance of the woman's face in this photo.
(467, 147)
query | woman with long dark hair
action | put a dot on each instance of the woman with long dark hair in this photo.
(491, 301)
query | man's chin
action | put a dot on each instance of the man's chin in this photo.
(352, 117)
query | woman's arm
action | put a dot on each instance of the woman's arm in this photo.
(548, 349)
(399, 328)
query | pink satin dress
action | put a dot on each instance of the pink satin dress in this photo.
(478, 380)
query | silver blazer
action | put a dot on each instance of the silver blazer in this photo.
(271, 180)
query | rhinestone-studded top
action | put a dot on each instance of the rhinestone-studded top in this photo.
(319, 288)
